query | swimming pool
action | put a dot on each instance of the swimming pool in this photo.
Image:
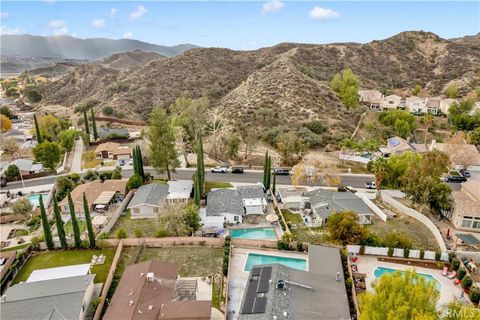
(379, 271)
(256, 258)
(35, 199)
(253, 233)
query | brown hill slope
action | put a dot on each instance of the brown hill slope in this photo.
(126, 60)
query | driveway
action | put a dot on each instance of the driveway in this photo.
(77, 157)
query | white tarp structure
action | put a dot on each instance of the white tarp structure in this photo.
(104, 198)
(59, 272)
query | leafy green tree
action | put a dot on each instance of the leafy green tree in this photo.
(173, 221)
(346, 85)
(452, 91)
(191, 115)
(12, 171)
(48, 153)
(416, 90)
(192, 218)
(402, 128)
(22, 206)
(49, 127)
(38, 135)
(85, 121)
(46, 226)
(288, 144)
(134, 182)
(59, 223)
(379, 168)
(117, 173)
(94, 126)
(67, 138)
(398, 296)
(233, 146)
(7, 112)
(344, 228)
(161, 135)
(456, 310)
(398, 164)
(88, 220)
(397, 240)
(73, 216)
(440, 199)
(427, 121)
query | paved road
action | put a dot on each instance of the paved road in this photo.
(77, 157)
(249, 176)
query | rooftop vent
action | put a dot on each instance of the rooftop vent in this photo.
(280, 284)
(150, 307)
(130, 302)
(150, 277)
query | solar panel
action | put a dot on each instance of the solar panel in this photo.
(264, 283)
(260, 305)
(256, 271)
(247, 306)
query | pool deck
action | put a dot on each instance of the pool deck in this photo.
(237, 278)
(448, 293)
(276, 227)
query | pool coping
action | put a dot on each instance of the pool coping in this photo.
(277, 237)
(411, 270)
(274, 255)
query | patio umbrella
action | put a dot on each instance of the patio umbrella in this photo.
(271, 217)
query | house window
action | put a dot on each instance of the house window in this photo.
(155, 210)
(136, 210)
(466, 223)
(470, 222)
(236, 218)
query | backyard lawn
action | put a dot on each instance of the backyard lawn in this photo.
(292, 217)
(148, 226)
(209, 185)
(62, 258)
(81, 224)
(316, 235)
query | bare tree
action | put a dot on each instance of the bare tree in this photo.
(459, 151)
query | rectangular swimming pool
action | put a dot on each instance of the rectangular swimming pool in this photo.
(379, 271)
(253, 233)
(256, 258)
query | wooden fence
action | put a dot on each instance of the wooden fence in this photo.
(31, 176)
(122, 121)
(166, 242)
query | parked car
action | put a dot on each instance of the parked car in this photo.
(237, 170)
(455, 179)
(370, 185)
(130, 162)
(121, 162)
(219, 169)
(465, 173)
(281, 172)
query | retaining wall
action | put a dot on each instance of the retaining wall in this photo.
(397, 252)
(167, 242)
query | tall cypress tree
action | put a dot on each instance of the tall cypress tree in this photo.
(265, 169)
(59, 223)
(85, 120)
(200, 165)
(274, 184)
(76, 229)
(197, 191)
(46, 226)
(88, 220)
(140, 163)
(268, 173)
(37, 129)
(135, 163)
(94, 126)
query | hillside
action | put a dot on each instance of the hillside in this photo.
(67, 47)
(126, 60)
(289, 79)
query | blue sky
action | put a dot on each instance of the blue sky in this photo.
(239, 24)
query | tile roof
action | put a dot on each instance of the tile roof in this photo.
(113, 147)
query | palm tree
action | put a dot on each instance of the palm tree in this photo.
(380, 169)
(427, 121)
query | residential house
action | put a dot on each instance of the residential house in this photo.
(59, 272)
(179, 191)
(415, 104)
(460, 154)
(232, 205)
(63, 298)
(445, 104)
(275, 291)
(100, 195)
(26, 166)
(147, 200)
(397, 145)
(112, 150)
(372, 98)
(324, 203)
(466, 213)
(432, 105)
(391, 102)
(152, 290)
(106, 133)
(7, 258)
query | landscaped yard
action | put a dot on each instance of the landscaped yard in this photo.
(209, 185)
(81, 224)
(148, 226)
(291, 217)
(62, 258)
(316, 235)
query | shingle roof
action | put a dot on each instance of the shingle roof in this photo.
(224, 200)
(152, 194)
(326, 202)
(37, 300)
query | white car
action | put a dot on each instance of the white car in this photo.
(219, 169)
(130, 162)
(370, 185)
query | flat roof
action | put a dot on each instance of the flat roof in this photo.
(59, 272)
(104, 197)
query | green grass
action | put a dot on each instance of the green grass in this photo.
(291, 217)
(81, 224)
(159, 181)
(19, 247)
(315, 235)
(148, 226)
(62, 258)
(209, 185)
(19, 233)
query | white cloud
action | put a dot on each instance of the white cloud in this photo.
(128, 35)
(272, 6)
(323, 14)
(60, 31)
(56, 24)
(98, 23)
(8, 30)
(137, 13)
(113, 12)
(4, 14)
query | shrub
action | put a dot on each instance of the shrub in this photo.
(467, 282)
(116, 174)
(362, 250)
(104, 235)
(437, 256)
(406, 252)
(475, 295)
(105, 175)
(282, 245)
(121, 233)
(202, 243)
(316, 126)
(455, 264)
(299, 246)
(390, 252)
(451, 256)
(94, 304)
(107, 110)
(22, 206)
(138, 233)
(342, 189)
(35, 243)
(461, 273)
(75, 177)
(161, 233)
(90, 175)
(397, 240)
(422, 254)
(12, 171)
(134, 182)
(85, 244)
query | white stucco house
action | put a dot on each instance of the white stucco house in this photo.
(148, 200)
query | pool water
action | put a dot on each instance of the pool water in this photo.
(253, 233)
(379, 271)
(35, 199)
(254, 259)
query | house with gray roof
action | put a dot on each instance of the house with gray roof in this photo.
(59, 299)
(275, 291)
(325, 202)
(147, 200)
(232, 205)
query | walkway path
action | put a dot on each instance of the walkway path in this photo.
(77, 157)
